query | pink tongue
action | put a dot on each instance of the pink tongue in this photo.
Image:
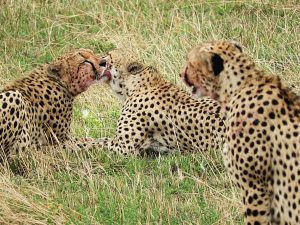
(106, 76)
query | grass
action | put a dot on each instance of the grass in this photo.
(60, 187)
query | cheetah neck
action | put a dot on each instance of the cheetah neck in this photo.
(235, 77)
(63, 87)
(41, 89)
(143, 81)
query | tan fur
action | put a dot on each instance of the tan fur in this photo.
(36, 109)
(262, 150)
(157, 115)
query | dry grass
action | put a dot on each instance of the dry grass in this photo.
(60, 187)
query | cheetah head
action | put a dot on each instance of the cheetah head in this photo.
(77, 70)
(207, 65)
(121, 71)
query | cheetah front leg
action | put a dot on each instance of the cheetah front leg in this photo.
(255, 197)
(134, 136)
(133, 146)
(255, 190)
(118, 147)
(60, 136)
(257, 206)
(129, 140)
(50, 138)
(76, 144)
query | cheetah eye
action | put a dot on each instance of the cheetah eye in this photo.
(135, 68)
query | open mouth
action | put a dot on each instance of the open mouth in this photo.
(196, 91)
(106, 75)
(190, 84)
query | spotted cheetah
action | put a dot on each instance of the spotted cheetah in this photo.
(262, 150)
(156, 115)
(36, 109)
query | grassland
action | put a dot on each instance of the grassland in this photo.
(60, 187)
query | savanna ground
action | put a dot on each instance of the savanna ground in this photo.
(61, 187)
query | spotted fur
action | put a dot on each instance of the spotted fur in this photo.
(157, 115)
(262, 151)
(36, 109)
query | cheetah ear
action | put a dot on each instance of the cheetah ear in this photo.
(135, 68)
(237, 45)
(208, 62)
(54, 68)
(217, 64)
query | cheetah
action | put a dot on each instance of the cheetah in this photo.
(156, 115)
(36, 109)
(262, 118)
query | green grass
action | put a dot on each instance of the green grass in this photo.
(140, 200)
(63, 187)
